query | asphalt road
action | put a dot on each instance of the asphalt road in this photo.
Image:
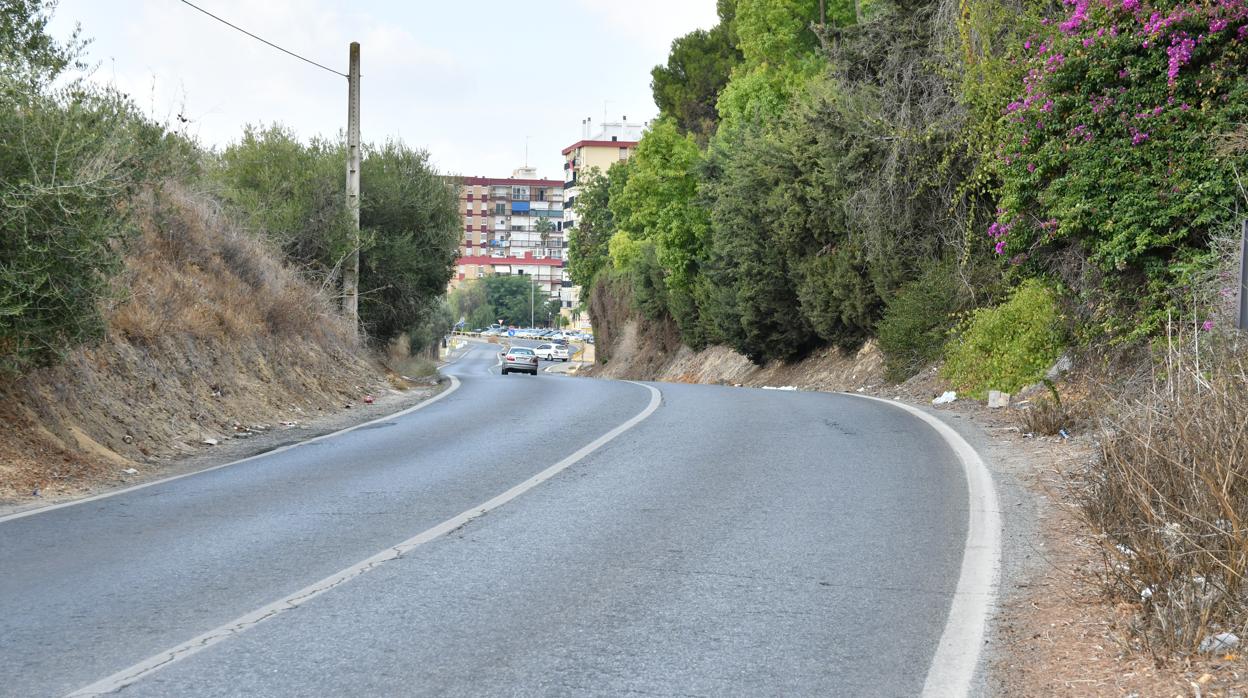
(734, 542)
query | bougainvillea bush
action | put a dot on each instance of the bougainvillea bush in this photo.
(1113, 144)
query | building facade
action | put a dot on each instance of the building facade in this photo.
(513, 225)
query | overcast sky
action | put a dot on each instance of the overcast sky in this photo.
(468, 80)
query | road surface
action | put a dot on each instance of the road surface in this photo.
(727, 542)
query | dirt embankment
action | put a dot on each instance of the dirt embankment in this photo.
(212, 338)
(638, 355)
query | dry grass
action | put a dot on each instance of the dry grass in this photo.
(211, 331)
(195, 272)
(399, 360)
(1169, 493)
(1048, 415)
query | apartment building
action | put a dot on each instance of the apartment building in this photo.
(512, 225)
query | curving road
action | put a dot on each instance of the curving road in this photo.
(728, 542)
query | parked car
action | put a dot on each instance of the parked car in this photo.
(552, 352)
(521, 359)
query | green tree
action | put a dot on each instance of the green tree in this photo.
(1115, 151)
(660, 203)
(295, 193)
(515, 298)
(698, 67)
(587, 242)
(71, 156)
(544, 228)
(778, 47)
(750, 300)
(410, 216)
(30, 57)
(469, 302)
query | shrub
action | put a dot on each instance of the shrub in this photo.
(1047, 415)
(68, 163)
(1110, 146)
(1008, 346)
(916, 322)
(71, 156)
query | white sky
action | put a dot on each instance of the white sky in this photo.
(467, 80)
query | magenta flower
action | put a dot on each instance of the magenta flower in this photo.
(1077, 18)
(1180, 53)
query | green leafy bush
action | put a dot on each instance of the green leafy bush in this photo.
(70, 158)
(294, 192)
(409, 221)
(916, 322)
(1008, 346)
(1109, 151)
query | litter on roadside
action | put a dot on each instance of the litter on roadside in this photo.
(946, 397)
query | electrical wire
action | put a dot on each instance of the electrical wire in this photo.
(262, 40)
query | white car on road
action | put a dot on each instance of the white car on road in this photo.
(552, 352)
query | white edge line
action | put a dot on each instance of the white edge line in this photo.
(104, 495)
(156, 662)
(957, 656)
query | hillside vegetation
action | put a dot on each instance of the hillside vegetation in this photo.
(903, 163)
(154, 294)
(983, 183)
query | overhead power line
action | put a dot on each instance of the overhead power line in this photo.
(263, 40)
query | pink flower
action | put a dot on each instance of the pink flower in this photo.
(1180, 53)
(1206, 325)
(1080, 15)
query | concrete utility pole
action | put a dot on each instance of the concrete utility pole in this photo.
(1241, 318)
(351, 274)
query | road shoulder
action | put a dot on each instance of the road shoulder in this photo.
(247, 444)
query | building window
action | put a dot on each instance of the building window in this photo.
(623, 153)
